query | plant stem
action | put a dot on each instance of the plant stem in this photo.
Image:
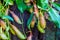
(22, 24)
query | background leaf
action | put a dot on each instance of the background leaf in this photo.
(21, 6)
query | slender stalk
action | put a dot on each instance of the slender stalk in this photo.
(22, 24)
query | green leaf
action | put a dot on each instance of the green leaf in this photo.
(56, 5)
(29, 7)
(0, 15)
(55, 17)
(42, 4)
(29, 20)
(9, 2)
(21, 6)
(8, 17)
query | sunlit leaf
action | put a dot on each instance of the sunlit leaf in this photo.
(9, 2)
(56, 5)
(3, 36)
(12, 31)
(41, 30)
(42, 20)
(55, 17)
(8, 17)
(18, 33)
